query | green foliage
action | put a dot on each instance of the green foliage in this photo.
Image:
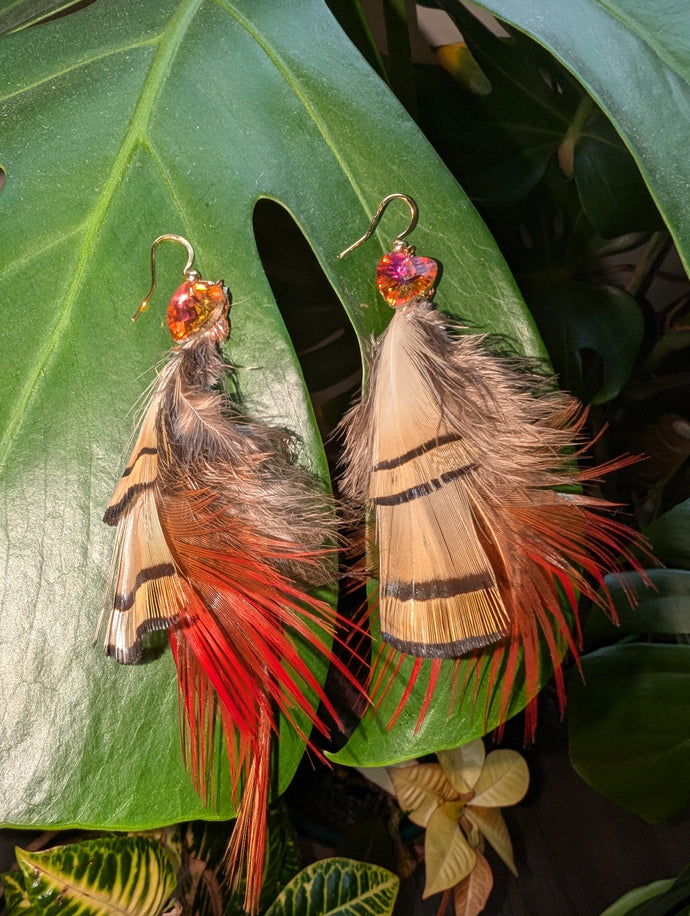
(632, 59)
(661, 898)
(555, 182)
(629, 720)
(338, 887)
(202, 889)
(629, 726)
(127, 876)
(670, 536)
(127, 120)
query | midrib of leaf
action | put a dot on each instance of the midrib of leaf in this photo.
(294, 85)
(82, 893)
(362, 897)
(168, 44)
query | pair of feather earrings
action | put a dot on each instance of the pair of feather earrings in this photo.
(221, 536)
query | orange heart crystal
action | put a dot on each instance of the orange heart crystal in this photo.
(400, 276)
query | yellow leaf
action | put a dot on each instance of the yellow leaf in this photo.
(503, 781)
(447, 854)
(458, 61)
(420, 789)
(489, 821)
(463, 765)
(470, 896)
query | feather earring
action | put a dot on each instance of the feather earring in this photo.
(460, 454)
(219, 537)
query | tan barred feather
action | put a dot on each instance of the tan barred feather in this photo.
(458, 452)
(145, 590)
(220, 537)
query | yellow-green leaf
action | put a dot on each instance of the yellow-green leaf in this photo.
(421, 789)
(463, 765)
(448, 856)
(503, 781)
(17, 901)
(110, 876)
(338, 887)
(490, 823)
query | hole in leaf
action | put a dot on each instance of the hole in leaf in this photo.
(319, 329)
(327, 348)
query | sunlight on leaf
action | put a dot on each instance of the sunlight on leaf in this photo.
(122, 122)
(626, 52)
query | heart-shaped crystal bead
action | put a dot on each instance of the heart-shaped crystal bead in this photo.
(400, 276)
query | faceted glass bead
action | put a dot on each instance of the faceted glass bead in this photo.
(193, 303)
(400, 276)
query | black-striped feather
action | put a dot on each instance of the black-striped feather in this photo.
(438, 591)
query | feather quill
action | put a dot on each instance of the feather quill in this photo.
(466, 459)
(220, 535)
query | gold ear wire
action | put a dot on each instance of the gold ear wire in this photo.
(414, 213)
(188, 272)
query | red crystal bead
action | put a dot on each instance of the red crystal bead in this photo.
(193, 304)
(400, 276)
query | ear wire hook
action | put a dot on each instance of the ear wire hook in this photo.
(414, 213)
(188, 272)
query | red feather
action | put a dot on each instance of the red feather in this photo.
(220, 538)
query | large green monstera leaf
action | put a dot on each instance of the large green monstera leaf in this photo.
(123, 121)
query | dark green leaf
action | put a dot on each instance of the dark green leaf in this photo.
(662, 605)
(675, 901)
(510, 133)
(111, 876)
(629, 726)
(612, 193)
(631, 56)
(593, 334)
(630, 902)
(670, 536)
(338, 887)
(534, 111)
(454, 717)
(661, 898)
(120, 122)
(18, 14)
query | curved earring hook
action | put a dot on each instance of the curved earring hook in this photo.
(188, 272)
(414, 213)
